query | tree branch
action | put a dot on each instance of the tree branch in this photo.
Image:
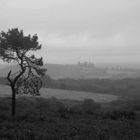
(8, 77)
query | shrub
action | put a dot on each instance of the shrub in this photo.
(90, 107)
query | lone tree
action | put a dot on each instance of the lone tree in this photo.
(16, 47)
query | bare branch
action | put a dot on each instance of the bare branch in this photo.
(8, 77)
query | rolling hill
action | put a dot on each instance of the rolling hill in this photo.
(65, 94)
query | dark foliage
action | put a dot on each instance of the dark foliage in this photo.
(124, 87)
(16, 47)
(50, 119)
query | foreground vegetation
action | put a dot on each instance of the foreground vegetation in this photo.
(52, 119)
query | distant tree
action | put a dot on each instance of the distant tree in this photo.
(16, 47)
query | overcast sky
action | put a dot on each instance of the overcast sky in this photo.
(107, 31)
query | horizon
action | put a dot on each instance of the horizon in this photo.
(78, 30)
(102, 65)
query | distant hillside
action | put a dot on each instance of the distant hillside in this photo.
(122, 87)
(128, 87)
(57, 71)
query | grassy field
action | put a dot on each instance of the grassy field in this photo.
(65, 94)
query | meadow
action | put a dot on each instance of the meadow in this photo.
(65, 94)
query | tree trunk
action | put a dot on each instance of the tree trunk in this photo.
(13, 101)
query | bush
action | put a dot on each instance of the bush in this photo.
(40, 119)
(90, 107)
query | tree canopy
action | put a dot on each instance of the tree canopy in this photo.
(16, 47)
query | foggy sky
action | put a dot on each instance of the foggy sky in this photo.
(107, 31)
